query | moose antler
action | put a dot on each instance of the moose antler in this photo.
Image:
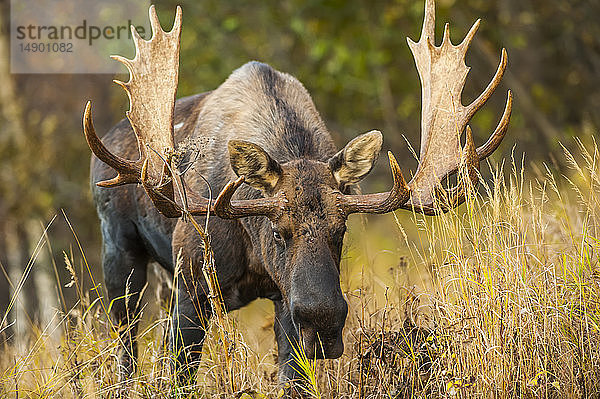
(443, 72)
(152, 85)
(151, 89)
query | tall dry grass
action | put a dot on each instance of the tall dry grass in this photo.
(498, 299)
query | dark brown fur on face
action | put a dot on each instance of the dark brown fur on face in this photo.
(311, 215)
(307, 243)
(260, 123)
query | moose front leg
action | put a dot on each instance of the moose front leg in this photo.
(190, 321)
(124, 263)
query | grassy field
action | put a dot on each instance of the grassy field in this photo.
(499, 299)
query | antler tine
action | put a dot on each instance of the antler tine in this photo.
(496, 138)
(225, 208)
(428, 30)
(464, 45)
(127, 171)
(154, 22)
(223, 203)
(379, 202)
(446, 36)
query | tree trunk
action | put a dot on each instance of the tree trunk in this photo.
(30, 293)
(4, 285)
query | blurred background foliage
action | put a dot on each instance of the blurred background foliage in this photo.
(353, 58)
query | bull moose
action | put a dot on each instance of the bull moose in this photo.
(285, 192)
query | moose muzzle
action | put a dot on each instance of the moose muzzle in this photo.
(318, 308)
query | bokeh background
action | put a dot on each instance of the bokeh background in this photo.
(353, 58)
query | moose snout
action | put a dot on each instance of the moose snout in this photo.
(320, 324)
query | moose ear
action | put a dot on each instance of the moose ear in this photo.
(357, 158)
(251, 161)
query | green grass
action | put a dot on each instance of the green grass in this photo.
(498, 299)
